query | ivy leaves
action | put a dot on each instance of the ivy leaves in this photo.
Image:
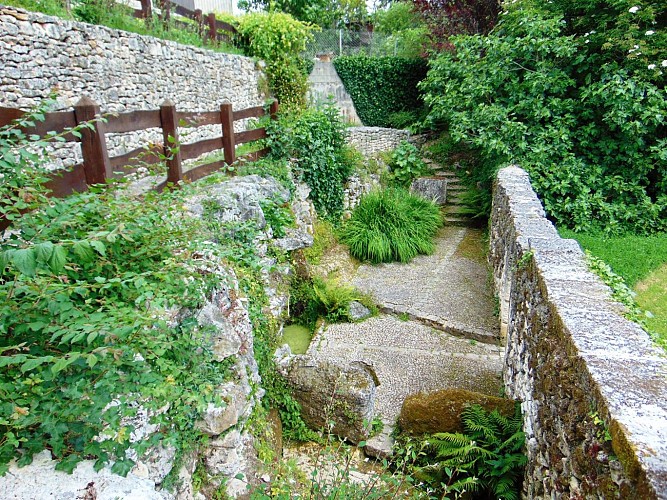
(381, 86)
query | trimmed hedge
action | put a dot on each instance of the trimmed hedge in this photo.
(380, 86)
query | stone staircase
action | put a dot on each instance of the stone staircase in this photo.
(446, 188)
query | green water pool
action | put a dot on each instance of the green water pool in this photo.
(297, 337)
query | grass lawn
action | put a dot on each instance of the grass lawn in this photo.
(642, 262)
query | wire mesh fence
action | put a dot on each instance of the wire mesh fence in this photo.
(338, 42)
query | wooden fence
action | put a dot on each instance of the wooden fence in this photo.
(208, 27)
(98, 166)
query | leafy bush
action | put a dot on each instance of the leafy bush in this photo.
(406, 164)
(583, 112)
(381, 86)
(487, 455)
(391, 225)
(279, 39)
(84, 285)
(315, 140)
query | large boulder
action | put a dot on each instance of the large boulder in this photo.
(441, 411)
(431, 188)
(329, 392)
(41, 480)
(238, 199)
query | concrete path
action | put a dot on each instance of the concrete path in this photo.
(448, 290)
(413, 349)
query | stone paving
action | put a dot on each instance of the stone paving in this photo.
(449, 290)
(446, 292)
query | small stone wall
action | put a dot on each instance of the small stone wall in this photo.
(121, 71)
(372, 140)
(593, 387)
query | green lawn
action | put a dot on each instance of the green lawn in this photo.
(642, 262)
(631, 257)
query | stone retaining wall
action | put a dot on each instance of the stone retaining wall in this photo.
(372, 140)
(593, 387)
(121, 71)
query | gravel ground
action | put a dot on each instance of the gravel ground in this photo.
(410, 357)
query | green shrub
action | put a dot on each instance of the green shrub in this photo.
(316, 141)
(406, 164)
(489, 451)
(391, 225)
(575, 93)
(381, 86)
(279, 39)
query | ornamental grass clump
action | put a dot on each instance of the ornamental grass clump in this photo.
(391, 225)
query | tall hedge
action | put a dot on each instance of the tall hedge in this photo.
(380, 86)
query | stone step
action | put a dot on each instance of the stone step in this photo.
(455, 210)
(381, 446)
(445, 173)
(459, 221)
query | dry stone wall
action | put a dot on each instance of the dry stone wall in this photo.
(119, 70)
(593, 387)
(372, 140)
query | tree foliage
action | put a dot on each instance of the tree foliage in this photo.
(324, 13)
(573, 92)
(279, 39)
(454, 17)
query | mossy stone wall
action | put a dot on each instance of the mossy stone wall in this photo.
(592, 384)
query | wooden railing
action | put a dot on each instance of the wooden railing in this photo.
(208, 27)
(98, 166)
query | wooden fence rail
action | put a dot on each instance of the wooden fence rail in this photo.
(209, 28)
(98, 166)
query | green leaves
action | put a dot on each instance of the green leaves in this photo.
(568, 101)
(315, 138)
(25, 260)
(381, 86)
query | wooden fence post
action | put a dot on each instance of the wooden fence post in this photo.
(273, 110)
(228, 142)
(166, 12)
(199, 18)
(172, 149)
(212, 28)
(146, 10)
(96, 164)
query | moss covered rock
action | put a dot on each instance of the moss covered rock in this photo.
(441, 411)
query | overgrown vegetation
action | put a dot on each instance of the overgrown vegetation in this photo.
(405, 164)
(315, 141)
(87, 283)
(91, 286)
(382, 86)
(574, 93)
(391, 225)
(315, 298)
(279, 39)
(405, 29)
(487, 458)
